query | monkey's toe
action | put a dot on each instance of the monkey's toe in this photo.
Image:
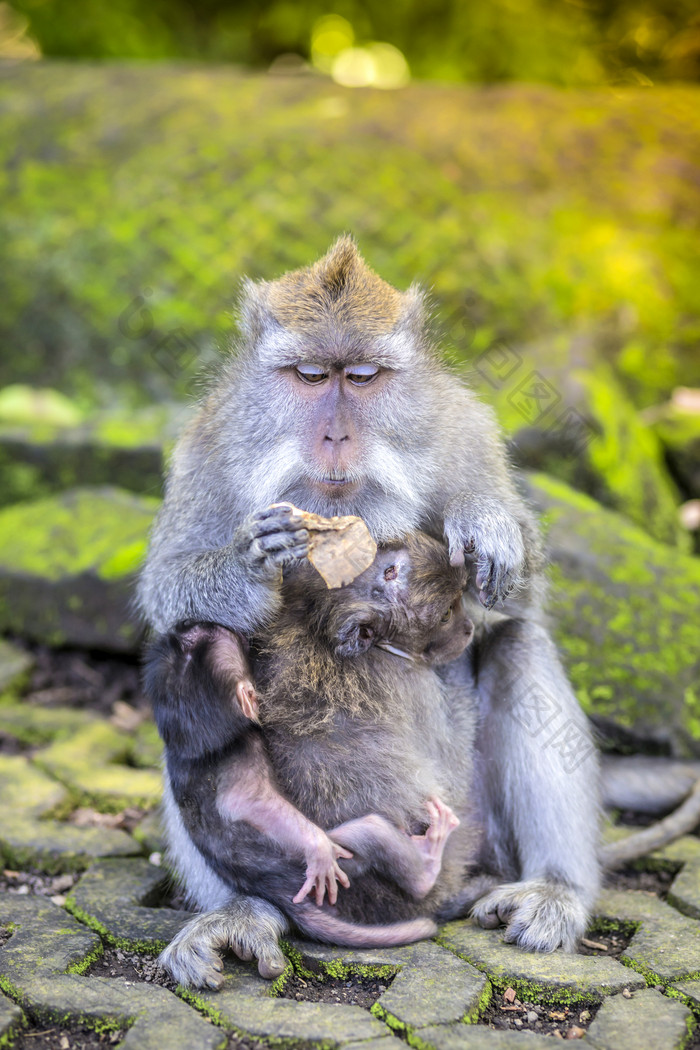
(191, 965)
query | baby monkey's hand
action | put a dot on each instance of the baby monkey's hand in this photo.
(323, 873)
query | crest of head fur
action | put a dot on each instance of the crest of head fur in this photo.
(336, 299)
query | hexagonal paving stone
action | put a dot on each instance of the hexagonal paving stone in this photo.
(431, 986)
(28, 838)
(10, 1019)
(93, 764)
(475, 1037)
(250, 1010)
(115, 898)
(646, 1021)
(684, 893)
(557, 977)
(46, 943)
(666, 946)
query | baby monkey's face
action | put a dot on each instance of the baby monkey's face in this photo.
(409, 603)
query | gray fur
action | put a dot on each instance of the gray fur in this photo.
(428, 455)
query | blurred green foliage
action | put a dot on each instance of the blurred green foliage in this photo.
(135, 197)
(574, 42)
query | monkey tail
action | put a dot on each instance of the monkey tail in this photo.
(323, 926)
(640, 843)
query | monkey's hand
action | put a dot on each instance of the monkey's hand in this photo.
(323, 873)
(271, 539)
(489, 538)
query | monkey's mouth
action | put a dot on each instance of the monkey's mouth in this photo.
(337, 483)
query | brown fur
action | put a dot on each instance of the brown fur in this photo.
(339, 291)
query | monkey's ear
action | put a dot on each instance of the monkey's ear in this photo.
(354, 639)
(254, 315)
(409, 339)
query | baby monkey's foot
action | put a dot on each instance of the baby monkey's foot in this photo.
(432, 844)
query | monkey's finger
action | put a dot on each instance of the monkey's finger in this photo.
(276, 519)
(341, 852)
(275, 541)
(304, 891)
(332, 889)
(342, 877)
(283, 558)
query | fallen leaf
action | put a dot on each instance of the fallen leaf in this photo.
(126, 717)
(558, 1015)
(575, 1032)
(509, 995)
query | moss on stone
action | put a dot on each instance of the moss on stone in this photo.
(624, 611)
(81, 531)
(95, 765)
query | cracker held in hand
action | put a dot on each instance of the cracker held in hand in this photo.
(340, 549)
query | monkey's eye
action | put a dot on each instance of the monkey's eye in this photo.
(447, 616)
(365, 633)
(312, 374)
(360, 375)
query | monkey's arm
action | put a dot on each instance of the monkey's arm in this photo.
(484, 517)
(247, 792)
(204, 565)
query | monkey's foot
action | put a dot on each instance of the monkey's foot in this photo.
(539, 915)
(250, 927)
(431, 845)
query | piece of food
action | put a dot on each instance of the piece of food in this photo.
(340, 549)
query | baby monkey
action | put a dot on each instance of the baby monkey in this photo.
(322, 767)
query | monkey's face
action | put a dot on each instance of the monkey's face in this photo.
(342, 416)
(408, 603)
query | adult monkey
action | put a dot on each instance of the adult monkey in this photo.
(337, 402)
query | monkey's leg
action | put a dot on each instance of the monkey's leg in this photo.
(412, 861)
(250, 926)
(538, 775)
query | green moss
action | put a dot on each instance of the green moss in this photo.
(624, 610)
(84, 965)
(378, 1011)
(626, 456)
(81, 531)
(25, 404)
(484, 1002)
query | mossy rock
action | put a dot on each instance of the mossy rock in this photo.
(528, 210)
(568, 415)
(41, 455)
(67, 567)
(625, 612)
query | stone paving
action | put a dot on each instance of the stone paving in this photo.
(436, 991)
